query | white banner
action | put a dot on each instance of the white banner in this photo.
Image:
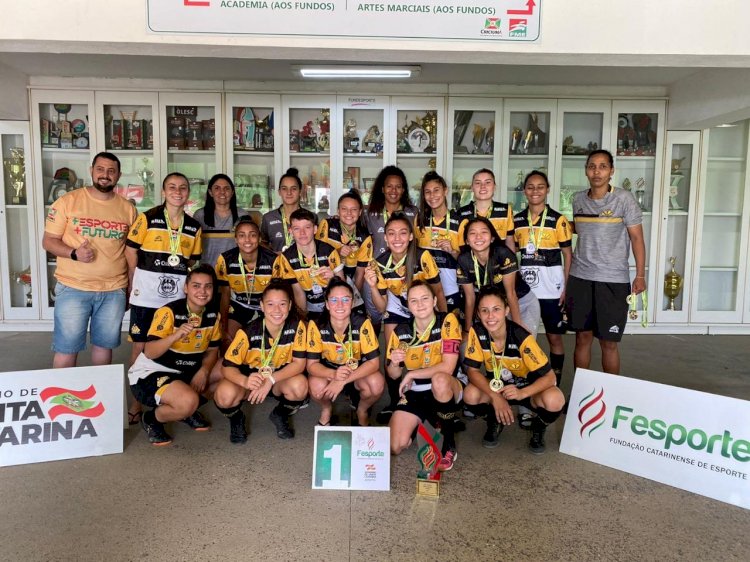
(55, 414)
(487, 20)
(691, 440)
(352, 458)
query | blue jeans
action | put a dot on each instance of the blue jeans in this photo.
(74, 309)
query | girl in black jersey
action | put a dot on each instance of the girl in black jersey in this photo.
(517, 372)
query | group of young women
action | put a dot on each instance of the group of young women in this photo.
(300, 304)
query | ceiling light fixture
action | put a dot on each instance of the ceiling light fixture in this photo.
(378, 72)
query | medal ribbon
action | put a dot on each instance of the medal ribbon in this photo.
(350, 348)
(248, 291)
(285, 227)
(265, 360)
(303, 262)
(351, 235)
(537, 239)
(495, 367)
(480, 284)
(174, 236)
(191, 314)
(389, 267)
(425, 334)
(633, 302)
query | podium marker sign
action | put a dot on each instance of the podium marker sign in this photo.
(691, 440)
(352, 458)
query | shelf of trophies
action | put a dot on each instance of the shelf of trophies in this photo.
(472, 147)
(417, 123)
(18, 242)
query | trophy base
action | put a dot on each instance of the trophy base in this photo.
(427, 488)
(15, 200)
(673, 204)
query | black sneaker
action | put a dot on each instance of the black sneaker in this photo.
(491, 437)
(458, 424)
(197, 422)
(536, 443)
(281, 423)
(384, 416)
(155, 431)
(305, 403)
(237, 431)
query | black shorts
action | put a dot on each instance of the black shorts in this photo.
(598, 307)
(555, 322)
(422, 404)
(148, 390)
(140, 322)
(393, 318)
(455, 303)
(242, 315)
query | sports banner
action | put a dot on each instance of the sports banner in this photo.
(482, 20)
(691, 440)
(55, 414)
(352, 458)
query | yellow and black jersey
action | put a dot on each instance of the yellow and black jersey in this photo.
(333, 350)
(332, 232)
(248, 288)
(366, 252)
(186, 354)
(504, 262)
(500, 215)
(245, 350)
(522, 355)
(392, 280)
(426, 350)
(155, 282)
(294, 267)
(444, 229)
(540, 246)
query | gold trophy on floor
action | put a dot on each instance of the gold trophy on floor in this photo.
(673, 282)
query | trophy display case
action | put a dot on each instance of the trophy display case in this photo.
(191, 125)
(472, 145)
(254, 140)
(636, 140)
(720, 271)
(18, 239)
(62, 125)
(417, 130)
(678, 202)
(529, 128)
(127, 128)
(585, 127)
(361, 125)
(309, 146)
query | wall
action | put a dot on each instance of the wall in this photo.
(14, 98)
(709, 98)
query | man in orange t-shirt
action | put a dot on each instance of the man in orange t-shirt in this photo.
(86, 230)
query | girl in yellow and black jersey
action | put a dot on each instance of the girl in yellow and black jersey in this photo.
(436, 230)
(268, 355)
(425, 351)
(343, 354)
(243, 273)
(347, 233)
(517, 372)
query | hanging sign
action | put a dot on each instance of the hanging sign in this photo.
(482, 20)
(691, 440)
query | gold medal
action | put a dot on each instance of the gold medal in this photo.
(403, 346)
(373, 265)
(496, 385)
(434, 243)
(352, 363)
(266, 371)
(354, 246)
(194, 319)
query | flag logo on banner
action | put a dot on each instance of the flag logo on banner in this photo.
(592, 409)
(492, 23)
(73, 402)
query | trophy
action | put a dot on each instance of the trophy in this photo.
(515, 139)
(24, 278)
(428, 455)
(674, 190)
(640, 193)
(146, 174)
(130, 141)
(429, 124)
(477, 138)
(672, 284)
(16, 169)
(351, 139)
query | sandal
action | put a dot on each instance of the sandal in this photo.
(134, 418)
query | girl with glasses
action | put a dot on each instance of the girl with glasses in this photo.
(343, 355)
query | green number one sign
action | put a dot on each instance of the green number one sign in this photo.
(333, 460)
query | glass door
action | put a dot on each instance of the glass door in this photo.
(672, 292)
(529, 138)
(18, 247)
(63, 124)
(127, 128)
(418, 142)
(361, 125)
(308, 145)
(472, 145)
(720, 279)
(188, 145)
(255, 141)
